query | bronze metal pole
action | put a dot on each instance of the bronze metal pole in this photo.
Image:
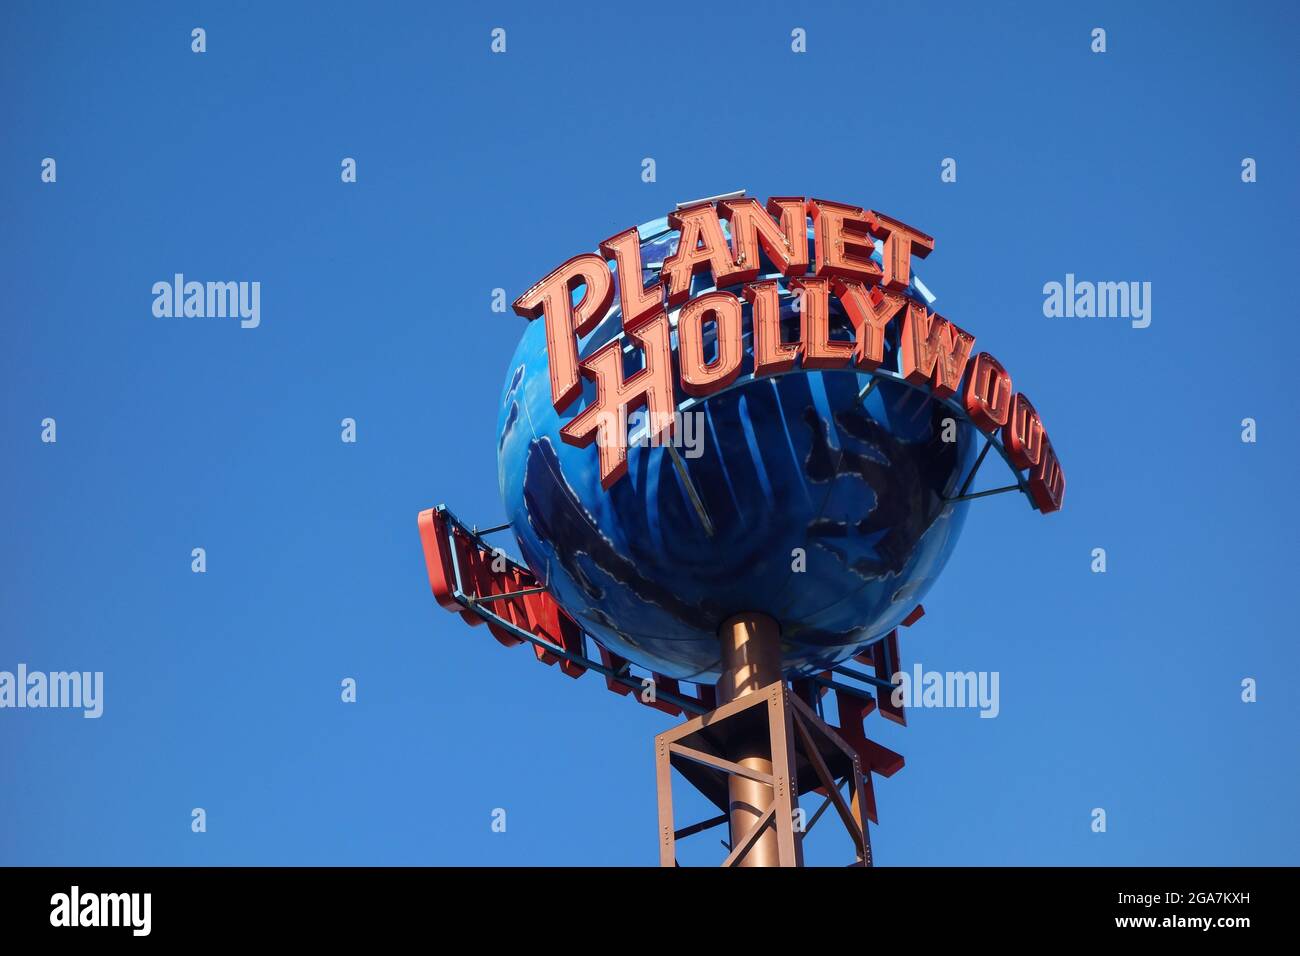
(751, 659)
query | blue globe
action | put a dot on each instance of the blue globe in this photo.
(825, 510)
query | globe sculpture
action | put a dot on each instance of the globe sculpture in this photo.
(819, 498)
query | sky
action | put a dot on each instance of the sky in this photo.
(1120, 691)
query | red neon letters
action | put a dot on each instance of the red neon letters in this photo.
(933, 351)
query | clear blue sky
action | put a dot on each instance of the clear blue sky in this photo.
(478, 171)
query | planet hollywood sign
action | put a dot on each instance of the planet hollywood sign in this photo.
(932, 353)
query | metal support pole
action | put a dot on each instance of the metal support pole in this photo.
(751, 659)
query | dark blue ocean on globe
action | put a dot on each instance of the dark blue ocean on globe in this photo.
(826, 512)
